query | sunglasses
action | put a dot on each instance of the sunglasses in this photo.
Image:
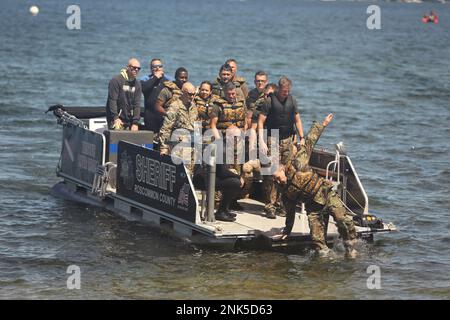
(135, 68)
(156, 66)
(191, 94)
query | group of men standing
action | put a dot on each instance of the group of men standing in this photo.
(227, 110)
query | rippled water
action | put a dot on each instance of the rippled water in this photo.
(389, 90)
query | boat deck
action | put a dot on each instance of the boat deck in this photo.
(253, 221)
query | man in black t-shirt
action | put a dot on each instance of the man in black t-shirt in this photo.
(278, 112)
(151, 86)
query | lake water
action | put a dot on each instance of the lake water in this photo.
(389, 90)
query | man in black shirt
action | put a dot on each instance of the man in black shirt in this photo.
(123, 106)
(151, 86)
(278, 112)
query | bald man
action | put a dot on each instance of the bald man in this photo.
(181, 114)
(123, 106)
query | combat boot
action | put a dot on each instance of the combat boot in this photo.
(351, 253)
(232, 214)
(224, 216)
(236, 206)
(270, 212)
(350, 250)
(323, 252)
(280, 211)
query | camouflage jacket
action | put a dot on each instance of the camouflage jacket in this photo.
(169, 93)
(254, 99)
(241, 83)
(217, 89)
(204, 109)
(303, 183)
(178, 116)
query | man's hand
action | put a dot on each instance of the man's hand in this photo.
(118, 124)
(233, 131)
(302, 143)
(164, 152)
(134, 127)
(263, 147)
(268, 91)
(327, 119)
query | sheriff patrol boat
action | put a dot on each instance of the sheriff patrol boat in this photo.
(120, 172)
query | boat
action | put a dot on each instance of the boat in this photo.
(120, 172)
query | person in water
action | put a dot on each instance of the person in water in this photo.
(431, 16)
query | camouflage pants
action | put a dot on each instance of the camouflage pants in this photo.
(271, 193)
(249, 169)
(217, 198)
(318, 217)
(234, 154)
(187, 155)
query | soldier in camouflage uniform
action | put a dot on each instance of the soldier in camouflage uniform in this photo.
(171, 91)
(257, 94)
(239, 82)
(256, 97)
(181, 114)
(303, 184)
(204, 100)
(228, 120)
(228, 117)
(225, 76)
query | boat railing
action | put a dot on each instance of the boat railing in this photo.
(341, 159)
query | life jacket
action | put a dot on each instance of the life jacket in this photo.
(232, 114)
(174, 90)
(302, 185)
(261, 99)
(217, 89)
(239, 82)
(281, 116)
(254, 97)
(204, 109)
